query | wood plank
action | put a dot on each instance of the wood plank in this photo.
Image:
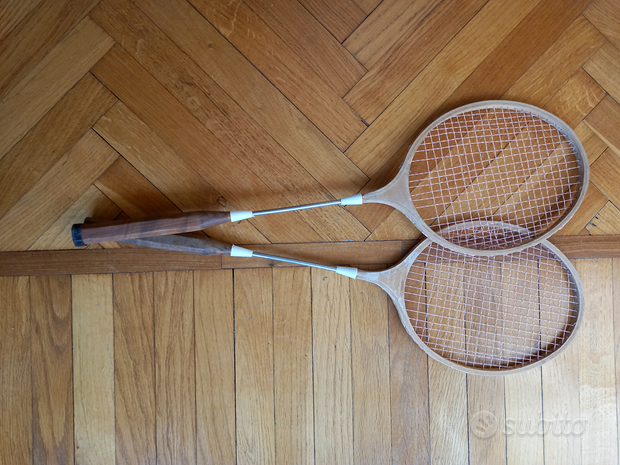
(295, 79)
(409, 396)
(215, 367)
(339, 17)
(175, 376)
(300, 31)
(597, 383)
(93, 369)
(254, 366)
(457, 60)
(605, 15)
(331, 348)
(447, 399)
(486, 409)
(12, 14)
(42, 87)
(391, 23)
(50, 139)
(292, 333)
(604, 67)
(524, 414)
(223, 117)
(250, 89)
(195, 143)
(134, 368)
(592, 144)
(604, 121)
(410, 53)
(16, 426)
(551, 28)
(606, 221)
(616, 306)
(604, 174)
(370, 374)
(577, 97)
(170, 173)
(33, 38)
(367, 6)
(92, 204)
(542, 80)
(52, 374)
(396, 225)
(55, 192)
(592, 204)
(41, 263)
(588, 246)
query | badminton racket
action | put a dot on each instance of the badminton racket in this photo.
(478, 314)
(497, 161)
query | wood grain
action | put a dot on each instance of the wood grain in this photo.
(524, 414)
(52, 374)
(12, 14)
(169, 173)
(603, 120)
(250, 89)
(175, 375)
(296, 80)
(49, 80)
(370, 374)
(605, 15)
(604, 67)
(338, 17)
(254, 367)
(604, 175)
(51, 138)
(16, 425)
(134, 368)
(215, 367)
(93, 369)
(447, 399)
(487, 441)
(310, 41)
(409, 396)
(606, 221)
(597, 399)
(67, 179)
(32, 39)
(331, 351)
(292, 333)
(592, 204)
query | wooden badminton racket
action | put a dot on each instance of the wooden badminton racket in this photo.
(478, 314)
(495, 161)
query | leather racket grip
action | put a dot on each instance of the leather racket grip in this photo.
(93, 233)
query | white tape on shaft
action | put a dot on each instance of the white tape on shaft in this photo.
(347, 271)
(356, 199)
(240, 215)
(236, 251)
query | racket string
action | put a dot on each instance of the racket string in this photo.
(491, 312)
(496, 164)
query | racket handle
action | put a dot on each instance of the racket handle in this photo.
(93, 233)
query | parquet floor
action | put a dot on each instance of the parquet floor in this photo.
(131, 108)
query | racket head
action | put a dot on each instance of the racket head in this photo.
(498, 161)
(487, 315)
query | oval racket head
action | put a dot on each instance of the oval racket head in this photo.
(492, 161)
(490, 314)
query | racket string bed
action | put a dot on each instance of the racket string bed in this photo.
(497, 312)
(495, 164)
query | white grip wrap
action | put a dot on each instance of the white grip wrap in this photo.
(236, 251)
(240, 215)
(356, 199)
(347, 271)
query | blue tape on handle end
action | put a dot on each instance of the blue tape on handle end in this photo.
(76, 235)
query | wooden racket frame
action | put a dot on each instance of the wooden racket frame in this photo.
(396, 193)
(395, 278)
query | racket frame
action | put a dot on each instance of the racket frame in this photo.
(397, 195)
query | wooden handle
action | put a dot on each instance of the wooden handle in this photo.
(94, 233)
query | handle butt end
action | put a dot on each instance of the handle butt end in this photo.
(76, 235)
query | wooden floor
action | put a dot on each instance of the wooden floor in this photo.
(130, 108)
